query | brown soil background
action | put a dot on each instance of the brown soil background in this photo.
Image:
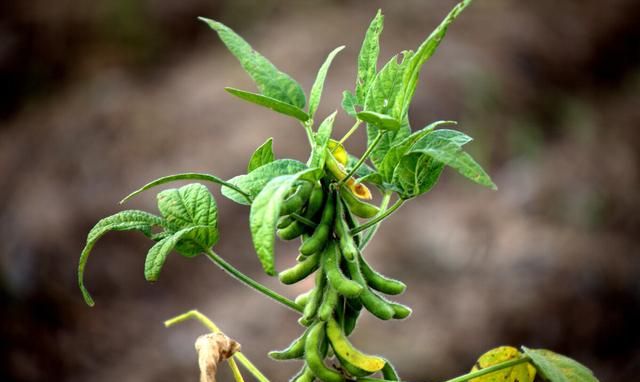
(99, 97)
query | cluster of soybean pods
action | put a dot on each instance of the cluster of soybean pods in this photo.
(344, 282)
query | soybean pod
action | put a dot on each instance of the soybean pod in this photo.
(329, 301)
(378, 281)
(304, 375)
(375, 304)
(342, 347)
(400, 311)
(350, 317)
(314, 356)
(311, 308)
(300, 270)
(351, 223)
(337, 279)
(357, 206)
(319, 238)
(347, 245)
(293, 351)
(389, 372)
(296, 202)
(296, 228)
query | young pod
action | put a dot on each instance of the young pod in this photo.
(315, 298)
(314, 356)
(295, 350)
(301, 270)
(302, 298)
(350, 317)
(296, 227)
(329, 301)
(400, 311)
(304, 375)
(296, 202)
(321, 234)
(347, 244)
(357, 206)
(389, 372)
(337, 279)
(375, 304)
(378, 281)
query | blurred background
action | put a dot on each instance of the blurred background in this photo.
(97, 98)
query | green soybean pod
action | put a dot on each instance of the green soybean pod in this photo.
(347, 245)
(292, 231)
(319, 238)
(357, 206)
(302, 298)
(304, 375)
(295, 350)
(296, 202)
(297, 228)
(351, 223)
(311, 308)
(329, 301)
(351, 314)
(301, 270)
(337, 279)
(375, 304)
(314, 356)
(284, 221)
(400, 311)
(389, 372)
(380, 282)
(315, 201)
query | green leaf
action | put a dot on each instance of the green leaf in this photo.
(380, 121)
(272, 82)
(270, 103)
(389, 139)
(184, 176)
(523, 372)
(191, 206)
(362, 171)
(321, 140)
(424, 52)
(387, 87)
(349, 103)
(318, 85)
(555, 367)
(442, 146)
(253, 182)
(398, 150)
(368, 57)
(122, 221)
(158, 254)
(415, 174)
(265, 212)
(263, 155)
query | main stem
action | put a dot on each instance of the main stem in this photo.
(248, 281)
(377, 219)
(362, 159)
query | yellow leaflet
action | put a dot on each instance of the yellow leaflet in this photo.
(523, 372)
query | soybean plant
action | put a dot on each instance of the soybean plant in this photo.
(325, 204)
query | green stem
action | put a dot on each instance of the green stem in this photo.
(489, 370)
(350, 132)
(369, 234)
(204, 320)
(309, 131)
(377, 219)
(248, 281)
(362, 159)
(303, 220)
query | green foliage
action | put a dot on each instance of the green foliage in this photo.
(317, 202)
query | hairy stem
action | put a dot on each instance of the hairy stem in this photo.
(204, 320)
(248, 281)
(350, 132)
(377, 219)
(372, 231)
(362, 159)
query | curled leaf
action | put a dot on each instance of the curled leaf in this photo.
(212, 349)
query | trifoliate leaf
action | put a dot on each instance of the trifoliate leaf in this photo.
(368, 57)
(381, 121)
(554, 367)
(321, 141)
(349, 103)
(270, 103)
(318, 85)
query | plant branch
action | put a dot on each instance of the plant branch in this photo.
(307, 128)
(204, 320)
(350, 132)
(490, 369)
(303, 220)
(248, 281)
(362, 159)
(377, 219)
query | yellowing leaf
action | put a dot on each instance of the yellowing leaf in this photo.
(517, 373)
